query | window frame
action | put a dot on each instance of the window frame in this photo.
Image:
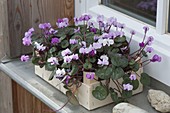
(160, 33)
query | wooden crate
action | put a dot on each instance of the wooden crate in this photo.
(84, 93)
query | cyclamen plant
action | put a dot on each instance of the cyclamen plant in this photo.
(100, 47)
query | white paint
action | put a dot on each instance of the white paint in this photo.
(159, 71)
(162, 16)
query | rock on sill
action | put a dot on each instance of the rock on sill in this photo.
(127, 108)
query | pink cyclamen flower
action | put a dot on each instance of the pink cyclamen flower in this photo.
(127, 87)
(149, 49)
(90, 75)
(53, 61)
(132, 32)
(150, 40)
(77, 30)
(76, 21)
(100, 18)
(45, 26)
(146, 28)
(132, 77)
(73, 41)
(111, 20)
(26, 41)
(66, 52)
(75, 56)
(61, 23)
(67, 59)
(24, 58)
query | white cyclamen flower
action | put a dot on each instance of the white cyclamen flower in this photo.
(53, 61)
(60, 73)
(40, 47)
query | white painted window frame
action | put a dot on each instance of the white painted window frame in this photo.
(159, 71)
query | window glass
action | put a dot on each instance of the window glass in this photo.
(144, 10)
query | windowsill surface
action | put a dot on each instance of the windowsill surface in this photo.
(23, 74)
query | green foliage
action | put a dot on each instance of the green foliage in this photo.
(119, 61)
(64, 44)
(100, 92)
(74, 70)
(104, 72)
(52, 74)
(117, 73)
(145, 79)
(49, 67)
(120, 39)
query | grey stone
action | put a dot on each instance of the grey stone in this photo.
(127, 108)
(159, 100)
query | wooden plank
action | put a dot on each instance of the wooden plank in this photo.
(4, 36)
(27, 13)
(5, 94)
(25, 102)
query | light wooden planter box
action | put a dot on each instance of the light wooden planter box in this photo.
(84, 93)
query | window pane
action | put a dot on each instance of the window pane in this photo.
(144, 10)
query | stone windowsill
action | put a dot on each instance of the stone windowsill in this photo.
(23, 74)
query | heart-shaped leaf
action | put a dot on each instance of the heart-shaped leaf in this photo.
(145, 79)
(100, 92)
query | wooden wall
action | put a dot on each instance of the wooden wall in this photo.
(23, 14)
(25, 102)
(17, 16)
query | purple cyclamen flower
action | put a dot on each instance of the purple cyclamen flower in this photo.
(77, 30)
(24, 58)
(132, 77)
(132, 32)
(94, 30)
(103, 60)
(73, 41)
(92, 53)
(45, 26)
(55, 41)
(67, 79)
(149, 49)
(156, 58)
(127, 87)
(142, 44)
(100, 18)
(66, 52)
(146, 28)
(85, 17)
(26, 41)
(90, 75)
